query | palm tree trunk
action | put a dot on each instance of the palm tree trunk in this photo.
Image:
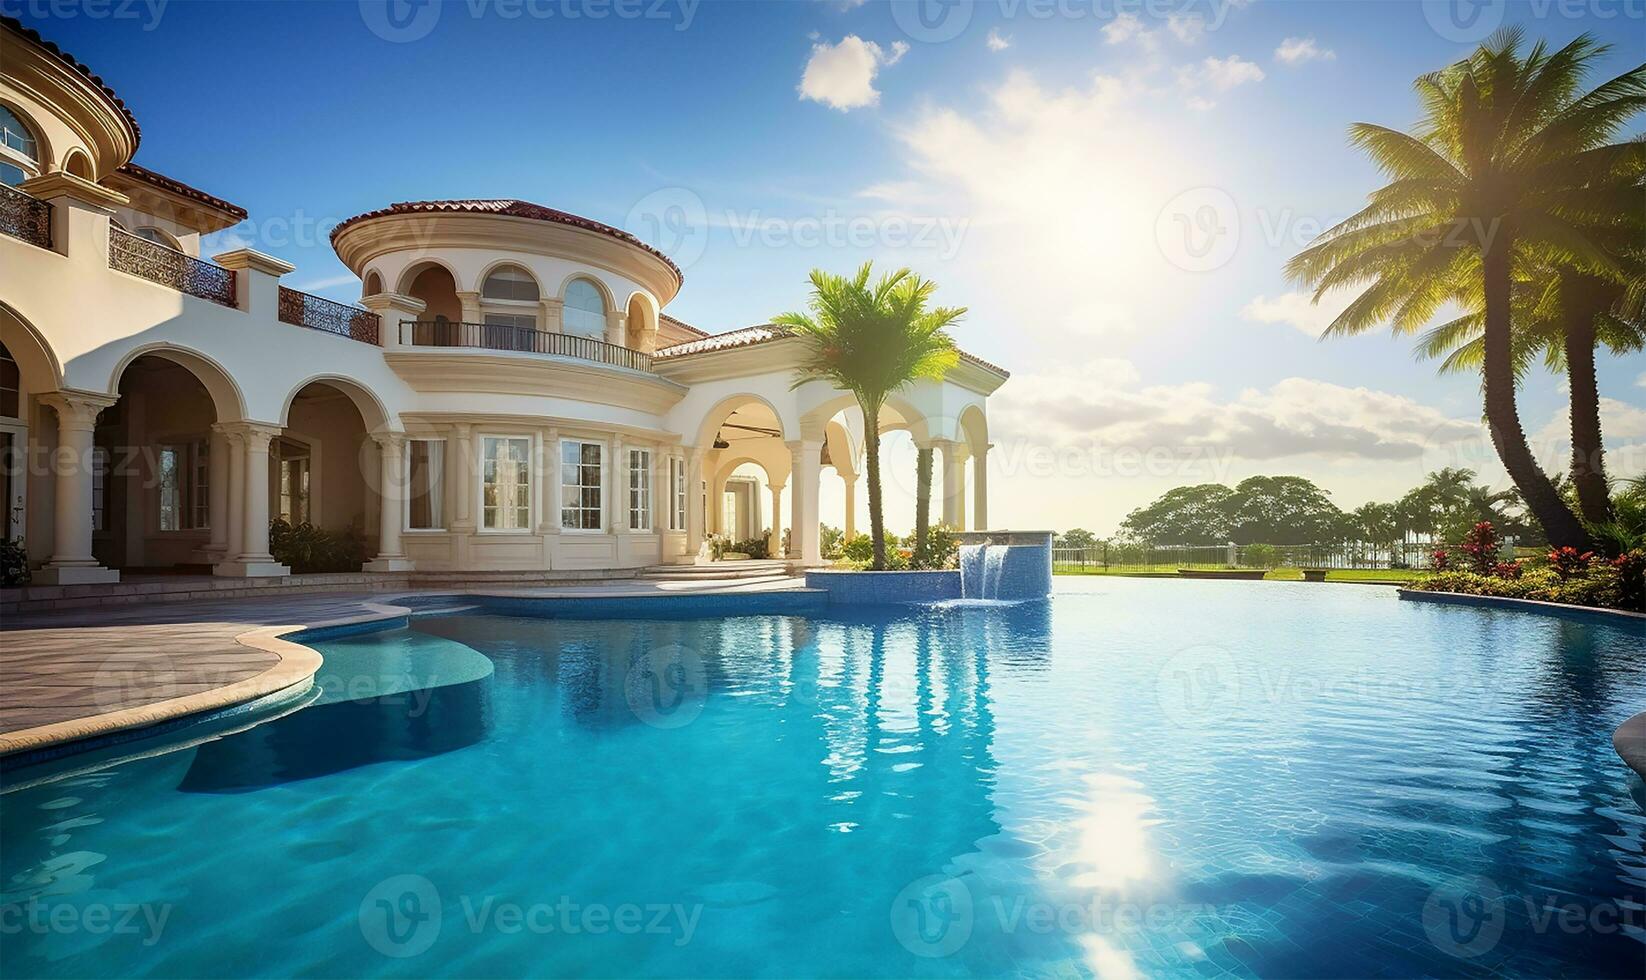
(1503, 417)
(877, 520)
(922, 500)
(1588, 459)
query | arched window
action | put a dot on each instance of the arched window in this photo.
(78, 164)
(585, 311)
(19, 149)
(151, 234)
(510, 282)
(373, 284)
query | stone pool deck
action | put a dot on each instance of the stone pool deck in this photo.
(73, 674)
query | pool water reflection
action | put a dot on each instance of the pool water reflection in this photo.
(1135, 778)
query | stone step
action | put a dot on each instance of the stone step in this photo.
(719, 570)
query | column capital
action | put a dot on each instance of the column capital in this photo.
(388, 305)
(390, 442)
(77, 409)
(468, 296)
(250, 432)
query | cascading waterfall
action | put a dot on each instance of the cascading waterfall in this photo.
(994, 572)
(972, 559)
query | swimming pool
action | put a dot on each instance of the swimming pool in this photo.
(1134, 778)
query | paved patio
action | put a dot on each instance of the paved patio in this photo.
(70, 674)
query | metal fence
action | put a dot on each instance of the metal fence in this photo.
(1145, 556)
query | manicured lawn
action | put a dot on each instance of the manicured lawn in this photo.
(1393, 575)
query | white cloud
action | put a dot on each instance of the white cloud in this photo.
(1297, 50)
(1186, 27)
(842, 75)
(996, 41)
(1298, 310)
(1211, 77)
(1641, 381)
(1624, 428)
(1127, 27)
(1101, 402)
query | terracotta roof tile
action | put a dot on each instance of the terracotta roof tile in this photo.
(510, 207)
(746, 337)
(181, 189)
(29, 34)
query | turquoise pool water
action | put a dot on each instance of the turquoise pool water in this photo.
(1136, 778)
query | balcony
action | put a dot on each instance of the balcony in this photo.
(303, 310)
(169, 267)
(24, 217)
(496, 337)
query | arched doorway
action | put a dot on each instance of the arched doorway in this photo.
(326, 472)
(745, 470)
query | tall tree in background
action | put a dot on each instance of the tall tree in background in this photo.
(1510, 167)
(872, 339)
(922, 500)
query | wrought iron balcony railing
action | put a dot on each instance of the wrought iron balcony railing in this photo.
(169, 267)
(24, 216)
(493, 336)
(316, 313)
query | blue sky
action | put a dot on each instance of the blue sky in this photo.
(1045, 164)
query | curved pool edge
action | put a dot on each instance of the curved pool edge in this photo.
(1523, 605)
(280, 688)
(1630, 742)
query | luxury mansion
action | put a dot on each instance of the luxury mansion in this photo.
(509, 393)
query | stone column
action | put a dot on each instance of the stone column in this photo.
(254, 560)
(234, 507)
(217, 494)
(618, 498)
(391, 309)
(391, 555)
(850, 482)
(694, 502)
(617, 327)
(548, 520)
(954, 482)
(980, 490)
(804, 474)
(72, 562)
(462, 471)
(777, 520)
(471, 305)
(551, 315)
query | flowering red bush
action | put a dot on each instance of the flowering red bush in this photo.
(1440, 561)
(1508, 569)
(1568, 561)
(1481, 544)
(1631, 579)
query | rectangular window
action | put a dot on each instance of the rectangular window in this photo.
(677, 494)
(640, 489)
(580, 485)
(509, 331)
(505, 483)
(294, 482)
(425, 483)
(181, 483)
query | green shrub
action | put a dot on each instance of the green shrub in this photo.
(14, 563)
(830, 539)
(753, 547)
(940, 550)
(307, 548)
(1260, 556)
(1606, 585)
(859, 548)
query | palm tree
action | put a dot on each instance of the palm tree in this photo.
(1565, 320)
(871, 340)
(1508, 169)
